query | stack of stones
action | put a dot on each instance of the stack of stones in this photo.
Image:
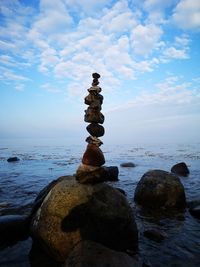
(91, 170)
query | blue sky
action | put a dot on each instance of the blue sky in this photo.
(147, 52)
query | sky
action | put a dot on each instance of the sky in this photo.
(146, 51)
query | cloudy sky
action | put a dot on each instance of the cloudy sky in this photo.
(147, 52)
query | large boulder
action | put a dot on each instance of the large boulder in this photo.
(180, 169)
(160, 189)
(72, 212)
(88, 253)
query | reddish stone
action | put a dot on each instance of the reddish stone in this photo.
(93, 156)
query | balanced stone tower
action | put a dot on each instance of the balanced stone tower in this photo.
(91, 170)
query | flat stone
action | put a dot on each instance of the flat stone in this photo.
(128, 164)
(94, 140)
(93, 175)
(93, 156)
(95, 89)
(95, 129)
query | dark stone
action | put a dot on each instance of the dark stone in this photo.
(13, 228)
(93, 156)
(39, 258)
(95, 82)
(13, 159)
(92, 115)
(95, 129)
(91, 254)
(159, 189)
(92, 97)
(128, 164)
(90, 140)
(195, 211)
(155, 235)
(113, 173)
(96, 75)
(98, 175)
(180, 169)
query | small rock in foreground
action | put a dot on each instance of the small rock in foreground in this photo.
(13, 159)
(180, 169)
(88, 254)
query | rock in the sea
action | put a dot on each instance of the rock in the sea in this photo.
(158, 189)
(91, 254)
(72, 212)
(95, 129)
(155, 235)
(180, 169)
(13, 228)
(127, 164)
(92, 115)
(86, 174)
(93, 156)
(13, 159)
(195, 211)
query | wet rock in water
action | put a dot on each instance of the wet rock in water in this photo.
(72, 212)
(195, 211)
(13, 228)
(180, 169)
(127, 164)
(159, 189)
(91, 175)
(95, 129)
(88, 253)
(155, 235)
(13, 159)
(93, 156)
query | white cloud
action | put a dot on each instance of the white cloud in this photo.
(145, 38)
(173, 53)
(186, 15)
(48, 87)
(11, 76)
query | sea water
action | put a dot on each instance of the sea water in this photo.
(21, 181)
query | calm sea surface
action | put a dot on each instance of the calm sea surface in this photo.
(21, 181)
